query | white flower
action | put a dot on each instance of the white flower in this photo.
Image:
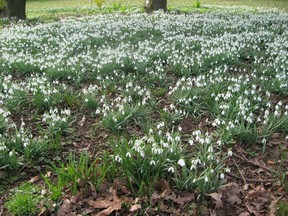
(43, 192)
(152, 162)
(118, 159)
(222, 176)
(171, 169)
(97, 111)
(230, 153)
(128, 154)
(191, 142)
(181, 162)
(193, 167)
(206, 179)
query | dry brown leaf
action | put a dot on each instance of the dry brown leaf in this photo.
(252, 210)
(135, 208)
(112, 203)
(246, 187)
(81, 123)
(154, 199)
(74, 199)
(34, 179)
(244, 214)
(273, 207)
(181, 200)
(234, 193)
(217, 199)
(48, 174)
(110, 209)
(65, 209)
(88, 211)
(270, 162)
(98, 204)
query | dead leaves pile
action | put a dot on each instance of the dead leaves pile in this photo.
(233, 200)
(165, 202)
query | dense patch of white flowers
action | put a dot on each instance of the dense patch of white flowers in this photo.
(231, 68)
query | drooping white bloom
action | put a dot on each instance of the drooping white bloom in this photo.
(230, 153)
(181, 162)
(171, 169)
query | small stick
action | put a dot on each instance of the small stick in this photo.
(255, 164)
(240, 172)
(251, 180)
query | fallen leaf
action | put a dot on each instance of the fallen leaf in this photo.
(252, 210)
(246, 187)
(74, 199)
(234, 193)
(88, 211)
(110, 209)
(81, 123)
(48, 174)
(135, 208)
(181, 200)
(65, 209)
(111, 204)
(154, 199)
(34, 179)
(270, 162)
(217, 199)
(244, 214)
(98, 204)
(258, 200)
(273, 207)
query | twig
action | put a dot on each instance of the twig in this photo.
(255, 164)
(240, 172)
(251, 180)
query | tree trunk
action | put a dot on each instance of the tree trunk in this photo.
(16, 8)
(153, 5)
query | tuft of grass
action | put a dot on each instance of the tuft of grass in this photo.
(282, 209)
(24, 200)
(76, 175)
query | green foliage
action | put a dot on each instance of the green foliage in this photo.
(117, 121)
(76, 174)
(2, 5)
(24, 200)
(206, 173)
(3, 124)
(144, 161)
(17, 102)
(197, 4)
(99, 3)
(282, 209)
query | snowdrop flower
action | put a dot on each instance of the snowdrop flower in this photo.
(181, 162)
(206, 179)
(152, 162)
(191, 142)
(118, 159)
(128, 154)
(97, 111)
(171, 169)
(230, 153)
(222, 176)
